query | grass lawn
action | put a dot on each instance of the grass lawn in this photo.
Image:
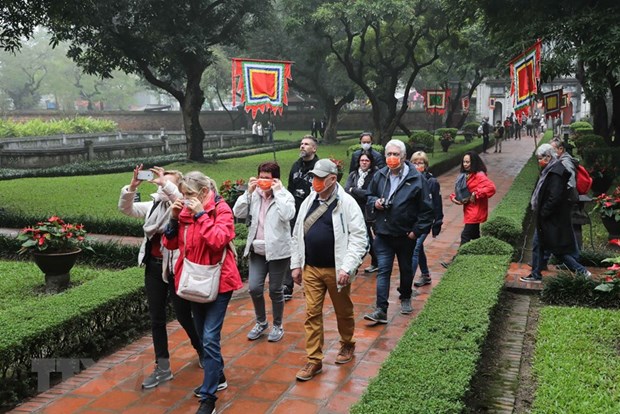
(577, 361)
(96, 196)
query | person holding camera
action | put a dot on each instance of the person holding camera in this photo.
(399, 198)
(159, 264)
(270, 208)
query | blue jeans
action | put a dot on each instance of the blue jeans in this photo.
(209, 318)
(419, 257)
(540, 258)
(386, 247)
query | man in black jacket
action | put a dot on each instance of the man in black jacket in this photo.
(366, 143)
(400, 198)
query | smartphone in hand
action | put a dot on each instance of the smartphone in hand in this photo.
(145, 175)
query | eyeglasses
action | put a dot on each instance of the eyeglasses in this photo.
(419, 163)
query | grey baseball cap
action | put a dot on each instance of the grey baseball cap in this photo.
(323, 168)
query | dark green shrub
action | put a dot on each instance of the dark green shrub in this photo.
(451, 131)
(580, 125)
(471, 127)
(487, 245)
(589, 141)
(503, 228)
(567, 289)
(589, 257)
(423, 138)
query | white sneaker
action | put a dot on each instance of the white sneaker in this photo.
(258, 330)
(276, 333)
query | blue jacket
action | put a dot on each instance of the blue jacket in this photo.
(411, 205)
(378, 160)
(435, 191)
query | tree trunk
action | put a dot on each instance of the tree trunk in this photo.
(451, 115)
(600, 121)
(615, 117)
(332, 109)
(190, 107)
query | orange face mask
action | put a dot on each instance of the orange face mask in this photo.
(420, 167)
(264, 183)
(392, 162)
(318, 184)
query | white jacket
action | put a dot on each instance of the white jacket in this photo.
(142, 209)
(279, 214)
(350, 237)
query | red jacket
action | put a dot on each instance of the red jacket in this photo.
(477, 211)
(207, 238)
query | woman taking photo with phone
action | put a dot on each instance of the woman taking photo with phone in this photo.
(159, 263)
(201, 228)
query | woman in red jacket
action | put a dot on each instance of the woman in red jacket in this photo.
(472, 190)
(201, 227)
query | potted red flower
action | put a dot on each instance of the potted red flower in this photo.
(55, 246)
(609, 208)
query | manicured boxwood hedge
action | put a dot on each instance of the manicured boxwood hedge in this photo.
(430, 369)
(85, 321)
(576, 361)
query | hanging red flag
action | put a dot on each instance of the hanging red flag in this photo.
(525, 75)
(552, 101)
(436, 100)
(465, 104)
(262, 84)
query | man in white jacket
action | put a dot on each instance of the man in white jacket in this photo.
(329, 243)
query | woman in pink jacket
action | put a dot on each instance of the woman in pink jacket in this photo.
(201, 227)
(472, 190)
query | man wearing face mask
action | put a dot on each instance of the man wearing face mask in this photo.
(159, 264)
(366, 143)
(329, 243)
(299, 185)
(399, 197)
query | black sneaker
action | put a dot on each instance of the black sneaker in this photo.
(424, 280)
(221, 386)
(531, 279)
(377, 316)
(207, 406)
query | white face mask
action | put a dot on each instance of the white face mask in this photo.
(366, 146)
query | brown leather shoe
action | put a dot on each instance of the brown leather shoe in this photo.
(345, 354)
(309, 371)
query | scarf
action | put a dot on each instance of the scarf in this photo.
(541, 180)
(361, 177)
(158, 218)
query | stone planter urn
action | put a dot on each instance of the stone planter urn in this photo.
(56, 267)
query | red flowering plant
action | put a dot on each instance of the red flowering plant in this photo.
(53, 236)
(608, 205)
(610, 280)
(339, 165)
(230, 191)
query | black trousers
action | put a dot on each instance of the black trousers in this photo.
(470, 232)
(157, 293)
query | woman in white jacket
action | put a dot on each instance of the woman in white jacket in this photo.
(270, 208)
(159, 263)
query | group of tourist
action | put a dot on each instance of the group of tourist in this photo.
(314, 233)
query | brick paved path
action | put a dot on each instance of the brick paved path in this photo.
(261, 375)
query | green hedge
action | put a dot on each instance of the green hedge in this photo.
(451, 131)
(487, 245)
(580, 125)
(39, 128)
(430, 369)
(576, 361)
(84, 321)
(567, 289)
